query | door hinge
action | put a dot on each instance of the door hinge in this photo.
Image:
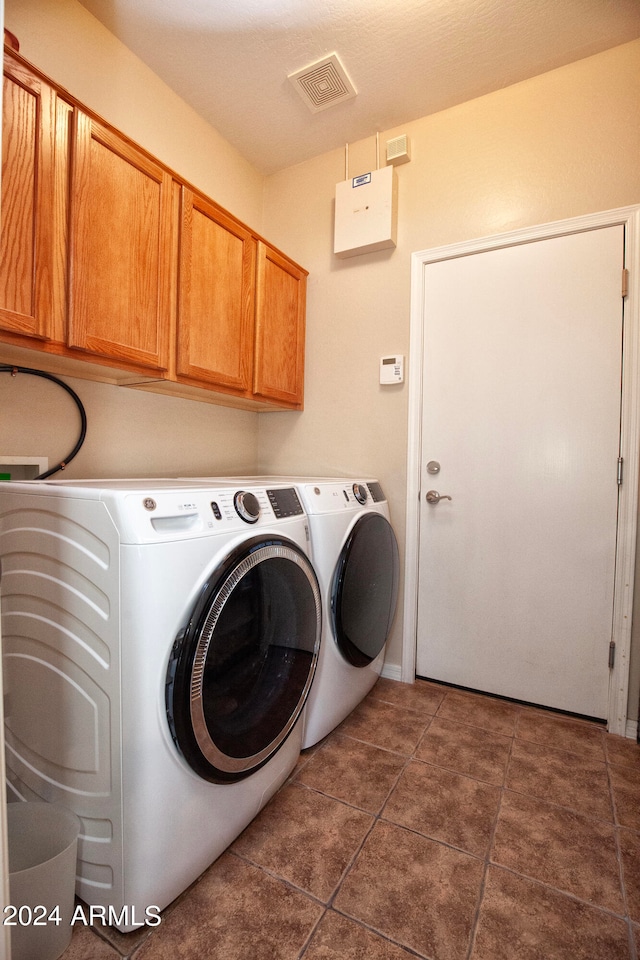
(620, 469)
(612, 654)
(625, 282)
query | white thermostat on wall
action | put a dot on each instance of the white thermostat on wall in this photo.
(392, 369)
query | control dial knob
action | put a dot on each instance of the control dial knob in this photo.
(360, 492)
(247, 506)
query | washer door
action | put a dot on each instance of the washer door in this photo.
(365, 589)
(241, 669)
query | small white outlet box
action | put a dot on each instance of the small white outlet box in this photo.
(22, 468)
(366, 213)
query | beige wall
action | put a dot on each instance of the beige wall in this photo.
(563, 144)
(130, 433)
(71, 47)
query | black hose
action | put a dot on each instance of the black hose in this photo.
(13, 370)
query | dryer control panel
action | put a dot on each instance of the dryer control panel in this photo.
(330, 496)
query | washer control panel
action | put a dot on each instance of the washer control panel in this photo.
(260, 503)
(150, 511)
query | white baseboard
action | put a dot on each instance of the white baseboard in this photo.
(631, 729)
(392, 671)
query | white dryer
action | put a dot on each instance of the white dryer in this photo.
(355, 554)
(160, 640)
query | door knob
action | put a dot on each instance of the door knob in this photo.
(432, 496)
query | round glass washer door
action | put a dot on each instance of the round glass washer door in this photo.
(241, 669)
(365, 589)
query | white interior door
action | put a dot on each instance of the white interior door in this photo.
(521, 409)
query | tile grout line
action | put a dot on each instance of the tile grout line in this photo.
(347, 869)
(377, 817)
(382, 935)
(563, 893)
(623, 887)
(328, 905)
(487, 859)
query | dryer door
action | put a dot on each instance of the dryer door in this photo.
(365, 589)
(241, 669)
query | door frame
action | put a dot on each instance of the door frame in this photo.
(629, 217)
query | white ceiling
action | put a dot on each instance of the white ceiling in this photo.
(229, 59)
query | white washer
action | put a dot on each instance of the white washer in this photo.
(355, 554)
(160, 640)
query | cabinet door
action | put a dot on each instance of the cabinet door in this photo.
(120, 249)
(28, 294)
(280, 328)
(215, 297)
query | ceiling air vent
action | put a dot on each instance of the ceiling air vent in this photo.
(323, 84)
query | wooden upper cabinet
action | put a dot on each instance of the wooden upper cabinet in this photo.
(120, 250)
(29, 292)
(215, 297)
(280, 328)
(112, 267)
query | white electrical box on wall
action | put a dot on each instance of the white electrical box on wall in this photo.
(22, 468)
(392, 369)
(366, 213)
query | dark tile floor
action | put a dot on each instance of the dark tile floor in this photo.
(435, 824)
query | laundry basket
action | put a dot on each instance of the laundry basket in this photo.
(43, 842)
